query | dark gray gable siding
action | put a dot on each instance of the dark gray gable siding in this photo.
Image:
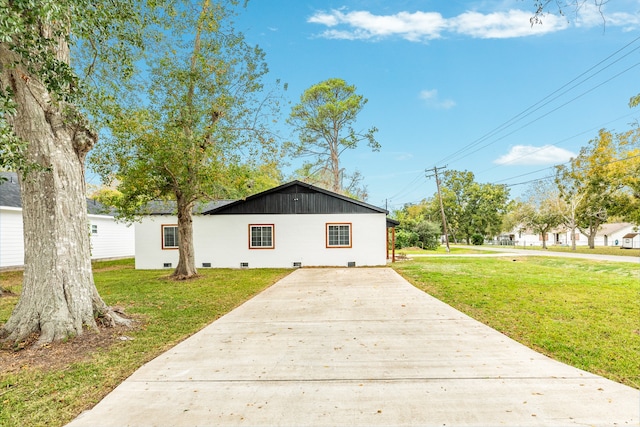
(296, 198)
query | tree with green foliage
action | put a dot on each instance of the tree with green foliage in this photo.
(625, 169)
(416, 227)
(324, 121)
(352, 185)
(202, 129)
(45, 136)
(471, 207)
(540, 211)
(602, 181)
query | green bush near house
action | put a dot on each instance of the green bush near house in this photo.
(477, 239)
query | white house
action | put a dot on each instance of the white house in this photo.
(109, 239)
(612, 234)
(293, 225)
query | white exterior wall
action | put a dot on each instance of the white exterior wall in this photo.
(11, 237)
(630, 243)
(113, 240)
(618, 235)
(525, 239)
(223, 241)
(149, 252)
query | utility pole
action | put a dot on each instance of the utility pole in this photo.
(444, 220)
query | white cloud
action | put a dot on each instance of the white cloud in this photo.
(401, 155)
(501, 25)
(590, 16)
(414, 26)
(530, 155)
(431, 99)
(423, 26)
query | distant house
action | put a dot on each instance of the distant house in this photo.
(109, 239)
(293, 225)
(607, 235)
(631, 241)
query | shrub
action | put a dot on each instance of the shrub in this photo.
(405, 239)
(477, 239)
(429, 234)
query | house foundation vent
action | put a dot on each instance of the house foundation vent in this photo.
(167, 265)
(351, 264)
(206, 265)
(244, 265)
(297, 264)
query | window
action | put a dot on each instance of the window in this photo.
(94, 228)
(338, 235)
(261, 236)
(169, 237)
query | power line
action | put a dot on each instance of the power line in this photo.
(406, 189)
(555, 144)
(547, 113)
(586, 167)
(528, 111)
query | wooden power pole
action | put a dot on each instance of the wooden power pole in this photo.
(444, 220)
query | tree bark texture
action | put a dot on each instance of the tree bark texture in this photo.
(59, 298)
(186, 267)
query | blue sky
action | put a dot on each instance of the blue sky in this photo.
(463, 84)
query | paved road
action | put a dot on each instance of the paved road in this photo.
(357, 347)
(509, 251)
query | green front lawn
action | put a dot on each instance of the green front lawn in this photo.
(167, 312)
(583, 313)
(599, 250)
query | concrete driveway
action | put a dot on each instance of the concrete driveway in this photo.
(357, 347)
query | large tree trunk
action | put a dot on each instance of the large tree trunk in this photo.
(59, 297)
(186, 267)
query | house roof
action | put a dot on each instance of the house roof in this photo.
(608, 229)
(10, 195)
(168, 207)
(629, 235)
(296, 197)
(10, 190)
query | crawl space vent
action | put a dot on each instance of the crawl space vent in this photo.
(297, 264)
(244, 265)
(206, 265)
(167, 265)
(351, 264)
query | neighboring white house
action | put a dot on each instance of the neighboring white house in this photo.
(109, 239)
(293, 225)
(607, 235)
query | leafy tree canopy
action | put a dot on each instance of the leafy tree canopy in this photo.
(324, 121)
(200, 128)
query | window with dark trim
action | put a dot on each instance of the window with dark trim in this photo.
(339, 235)
(261, 236)
(169, 237)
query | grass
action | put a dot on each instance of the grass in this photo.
(583, 313)
(441, 250)
(600, 250)
(170, 311)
